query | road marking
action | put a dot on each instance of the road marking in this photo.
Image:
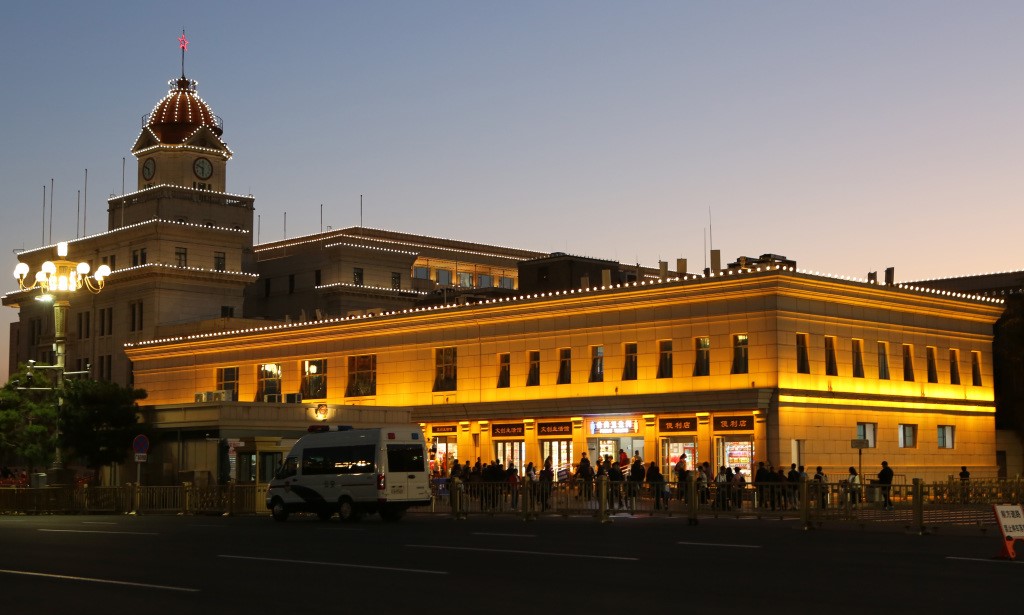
(67, 577)
(545, 553)
(299, 561)
(99, 532)
(995, 560)
(718, 544)
(98, 523)
(505, 535)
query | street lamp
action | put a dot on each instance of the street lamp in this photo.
(59, 280)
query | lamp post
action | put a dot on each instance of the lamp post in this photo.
(58, 280)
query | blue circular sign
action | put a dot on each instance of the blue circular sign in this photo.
(140, 444)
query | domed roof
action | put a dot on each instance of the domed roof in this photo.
(179, 114)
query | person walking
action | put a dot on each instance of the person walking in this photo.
(885, 480)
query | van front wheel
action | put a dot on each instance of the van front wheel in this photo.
(278, 511)
(347, 511)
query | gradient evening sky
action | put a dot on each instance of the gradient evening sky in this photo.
(847, 136)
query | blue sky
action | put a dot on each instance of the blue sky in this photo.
(847, 136)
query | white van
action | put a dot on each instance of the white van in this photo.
(351, 472)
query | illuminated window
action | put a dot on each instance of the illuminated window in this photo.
(803, 362)
(485, 281)
(362, 376)
(976, 368)
(866, 431)
(946, 433)
(421, 273)
(465, 279)
(629, 365)
(883, 360)
(597, 364)
(504, 370)
(831, 366)
(533, 369)
(506, 282)
(933, 370)
(908, 436)
(444, 277)
(445, 364)
(665, 359)
(858, 358)
(564, 365)
(954, 366)
(702, 362)
(908, 363)
(227, 380)
(268, 382)
(314, 379)
(739, 354)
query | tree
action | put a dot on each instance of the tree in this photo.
(98, 421)
(28, 419)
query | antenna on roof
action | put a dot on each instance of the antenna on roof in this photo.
(360, 211)
(711, 230)
(183, 43)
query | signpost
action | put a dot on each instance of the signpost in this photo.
(860, 444)
(141, 447)
(1010, 518)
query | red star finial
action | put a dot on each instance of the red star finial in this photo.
(183, 42)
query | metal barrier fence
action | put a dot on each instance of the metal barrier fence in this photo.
(918, 504)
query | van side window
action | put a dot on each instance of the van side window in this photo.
(338, 460)
(288, 468)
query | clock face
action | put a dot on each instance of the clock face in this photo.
(148, 169)
(203, 169)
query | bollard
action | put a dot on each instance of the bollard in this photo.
(918, 495)
(691, 498)
(805, 504)
(602, 498)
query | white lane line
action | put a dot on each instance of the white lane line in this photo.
(300, 561)
(993, 560)
(67, 577)
(505, 535)
(545, 553)
(718, 544)
(98, 523)
(99, 532)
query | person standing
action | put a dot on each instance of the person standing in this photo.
(680, 476)
(885, 480)
(965, 485)
(636, 480)
(657, 483)
(821, 483)
(854, 484)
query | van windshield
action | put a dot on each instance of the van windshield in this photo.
(406, 458)
(287, 468)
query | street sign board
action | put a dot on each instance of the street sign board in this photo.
(859, 443)
(140, 444)
(1010, 518)
(140, 457)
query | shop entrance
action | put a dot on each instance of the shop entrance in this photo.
(444, 450)
(560, 452)
(672, 448)
(510, 450)
(735, 451)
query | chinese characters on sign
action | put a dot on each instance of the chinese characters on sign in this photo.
(443, 429)
(733, 423)
(555, 429)
(687, 424)
(614, 426)
(514, 430)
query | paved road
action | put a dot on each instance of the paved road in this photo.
(164, 564)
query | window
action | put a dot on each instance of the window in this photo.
(317, 277)
(266, 287)
(181, 256)
(858, 358)
(976, 368)
(421, 273)
(506, 282)
(291, 283)
(596, 364)
(908, 436)
(445, 374)
(739, 354)
(314, 379)
(396, 280)
(504, 370)
(106, 321)
(954, 366)
(803, 362)
(831, 367)
(227, 311)
(866, 431)
(138, 257)
(629, 364)
(268, 382)
(946, 433)
(665, 359)
(220, 261)
(485, 281)
(465, 279)
(564, 365)
(84, 325)
(444, 277)
(357, 276)
(110, 261)
(883, 360)
(336, 460)
(533, 369)
(135, 319)
(702, 363)
(908, 363)
(933, 370)
(227, 380)
(362, 376)
(104, 367)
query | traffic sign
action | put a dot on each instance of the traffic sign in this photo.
(140, 444)
(141, 457)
